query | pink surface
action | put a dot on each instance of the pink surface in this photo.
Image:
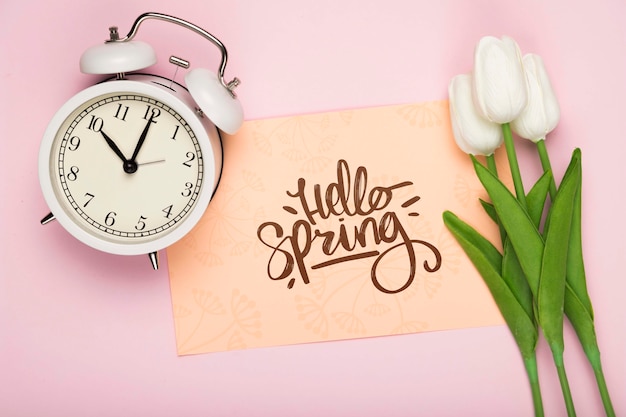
(84, 333)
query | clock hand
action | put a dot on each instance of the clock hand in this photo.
(113, 146)
(129, 165)
(142, 138)
(151, 162)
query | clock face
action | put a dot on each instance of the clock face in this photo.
(126, 167)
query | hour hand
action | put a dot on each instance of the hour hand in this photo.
(113, 146)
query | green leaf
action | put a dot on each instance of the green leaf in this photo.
(491, 212)
(526, 240)
(550, 298)
(487, 261)
(511, 268)
(537, 196)
(536, 199)
(489, 209)
(512, 271)
(575, 264)
(515, 278)
(581, 321)
(460, 229)
(577, 306)
(584, 327)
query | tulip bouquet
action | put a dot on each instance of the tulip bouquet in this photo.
(538, 276)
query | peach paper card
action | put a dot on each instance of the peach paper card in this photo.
(329, 227)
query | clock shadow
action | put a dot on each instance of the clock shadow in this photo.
(86, 262)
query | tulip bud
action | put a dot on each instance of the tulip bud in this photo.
(542, 113)
(473, 134)
(500, 90)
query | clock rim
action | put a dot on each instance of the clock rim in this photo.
(182, 104)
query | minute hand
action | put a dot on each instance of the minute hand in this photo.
(142, 138)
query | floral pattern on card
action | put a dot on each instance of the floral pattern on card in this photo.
(328, 227)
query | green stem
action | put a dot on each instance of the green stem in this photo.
(491, 164)
(545, 163)
(596, 364)
(515, 171)
(533, 377)
(604, 392)
(567, 395)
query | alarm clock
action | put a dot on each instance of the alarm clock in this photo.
(129, 165)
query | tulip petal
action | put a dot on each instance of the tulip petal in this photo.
(542, 113)
(499, 88)
(472, 133)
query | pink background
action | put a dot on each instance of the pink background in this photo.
(85, 333)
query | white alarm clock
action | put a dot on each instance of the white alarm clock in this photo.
(128, 166)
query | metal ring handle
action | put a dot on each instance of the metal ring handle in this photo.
(114, 37)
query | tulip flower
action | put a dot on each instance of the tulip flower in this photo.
(500, 88)
(542, 113)
(472, 133)
(501, 92)
(539, 275)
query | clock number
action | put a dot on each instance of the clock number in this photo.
(191, 157)
(73, 174)
(109, 220)
(74, 143)
(168, 211)
(141, 224)
(89, 198)
(187, 191)
(175, 132)
(95, 123)
(121, 112)
(153, 112)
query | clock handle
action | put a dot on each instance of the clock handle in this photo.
(230, 85)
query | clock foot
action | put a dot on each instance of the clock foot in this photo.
(154, 260)
(48, 218)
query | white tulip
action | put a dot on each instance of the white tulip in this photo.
(473, 134)
(542, 113)
(500, 88)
